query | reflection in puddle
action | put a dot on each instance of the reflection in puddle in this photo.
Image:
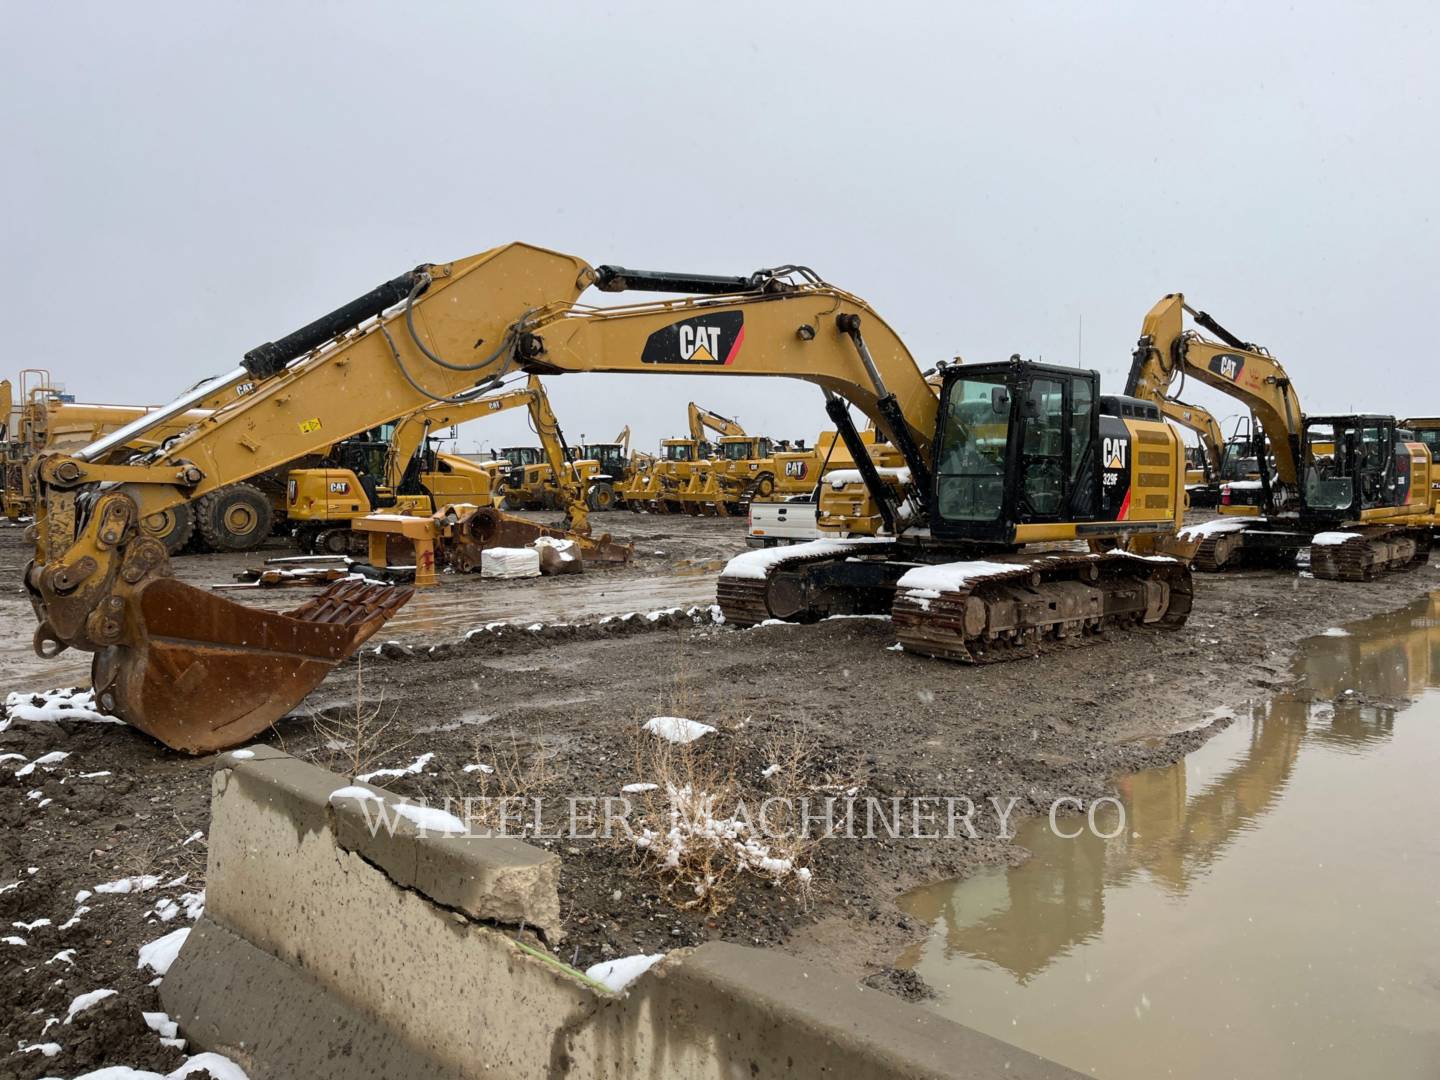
(447, 612)
(1270, 908)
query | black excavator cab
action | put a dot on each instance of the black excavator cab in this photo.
(1021, 443)
(1352, 464)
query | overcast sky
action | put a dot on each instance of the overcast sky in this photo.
(184, 181)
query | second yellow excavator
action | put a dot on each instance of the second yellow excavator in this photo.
(1006, 466)
(1351, 488)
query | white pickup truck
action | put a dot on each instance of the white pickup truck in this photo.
(789, 522)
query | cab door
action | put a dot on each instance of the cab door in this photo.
(1044, 459)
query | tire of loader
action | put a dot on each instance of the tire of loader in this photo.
(235, 518)
(602, 496)
(173, 527)
(510, 504)
(331, 542)
(764, 487)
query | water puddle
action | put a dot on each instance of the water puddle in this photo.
(447, 612)
(1270, 908)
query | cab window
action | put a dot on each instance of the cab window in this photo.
(970, 472)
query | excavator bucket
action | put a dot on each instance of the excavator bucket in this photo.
(203, 674)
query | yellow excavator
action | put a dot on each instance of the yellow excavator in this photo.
(1349, 487)
(1003, 457)
(393, 469)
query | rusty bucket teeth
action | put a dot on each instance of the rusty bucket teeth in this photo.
(205, 673)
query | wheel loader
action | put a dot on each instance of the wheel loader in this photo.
(393, 468)
(1002, 459)
(529, 481)
(1350, 487)
(615, 466)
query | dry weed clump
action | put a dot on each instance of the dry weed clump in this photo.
(502, 792)
(701, 829)
(355, 741)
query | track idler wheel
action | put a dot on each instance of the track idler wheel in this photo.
(205, 673)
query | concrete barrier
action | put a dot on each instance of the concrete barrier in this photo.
(332, 950)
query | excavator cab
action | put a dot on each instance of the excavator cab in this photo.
(1354, 464)
(1017, 444)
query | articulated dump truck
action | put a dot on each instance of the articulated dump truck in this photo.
(999, 459)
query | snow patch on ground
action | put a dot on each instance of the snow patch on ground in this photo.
(138, 883)
(86, 1001)
(639, 789)
(161, 1024)
(1332, 539)
(217, 1065)
(615, 975)
(53, 706)
(677, 729)
(191, 903)
(159, 954)
(52, 758)
(415, 768)
(1333, 631)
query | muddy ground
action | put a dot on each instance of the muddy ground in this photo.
(556, 712)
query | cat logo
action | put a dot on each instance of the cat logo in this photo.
(699, 344)
(704, 339)
(796, 470)
(1227, 365)
(339, 487)
(1115, 452)
(241, 389)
